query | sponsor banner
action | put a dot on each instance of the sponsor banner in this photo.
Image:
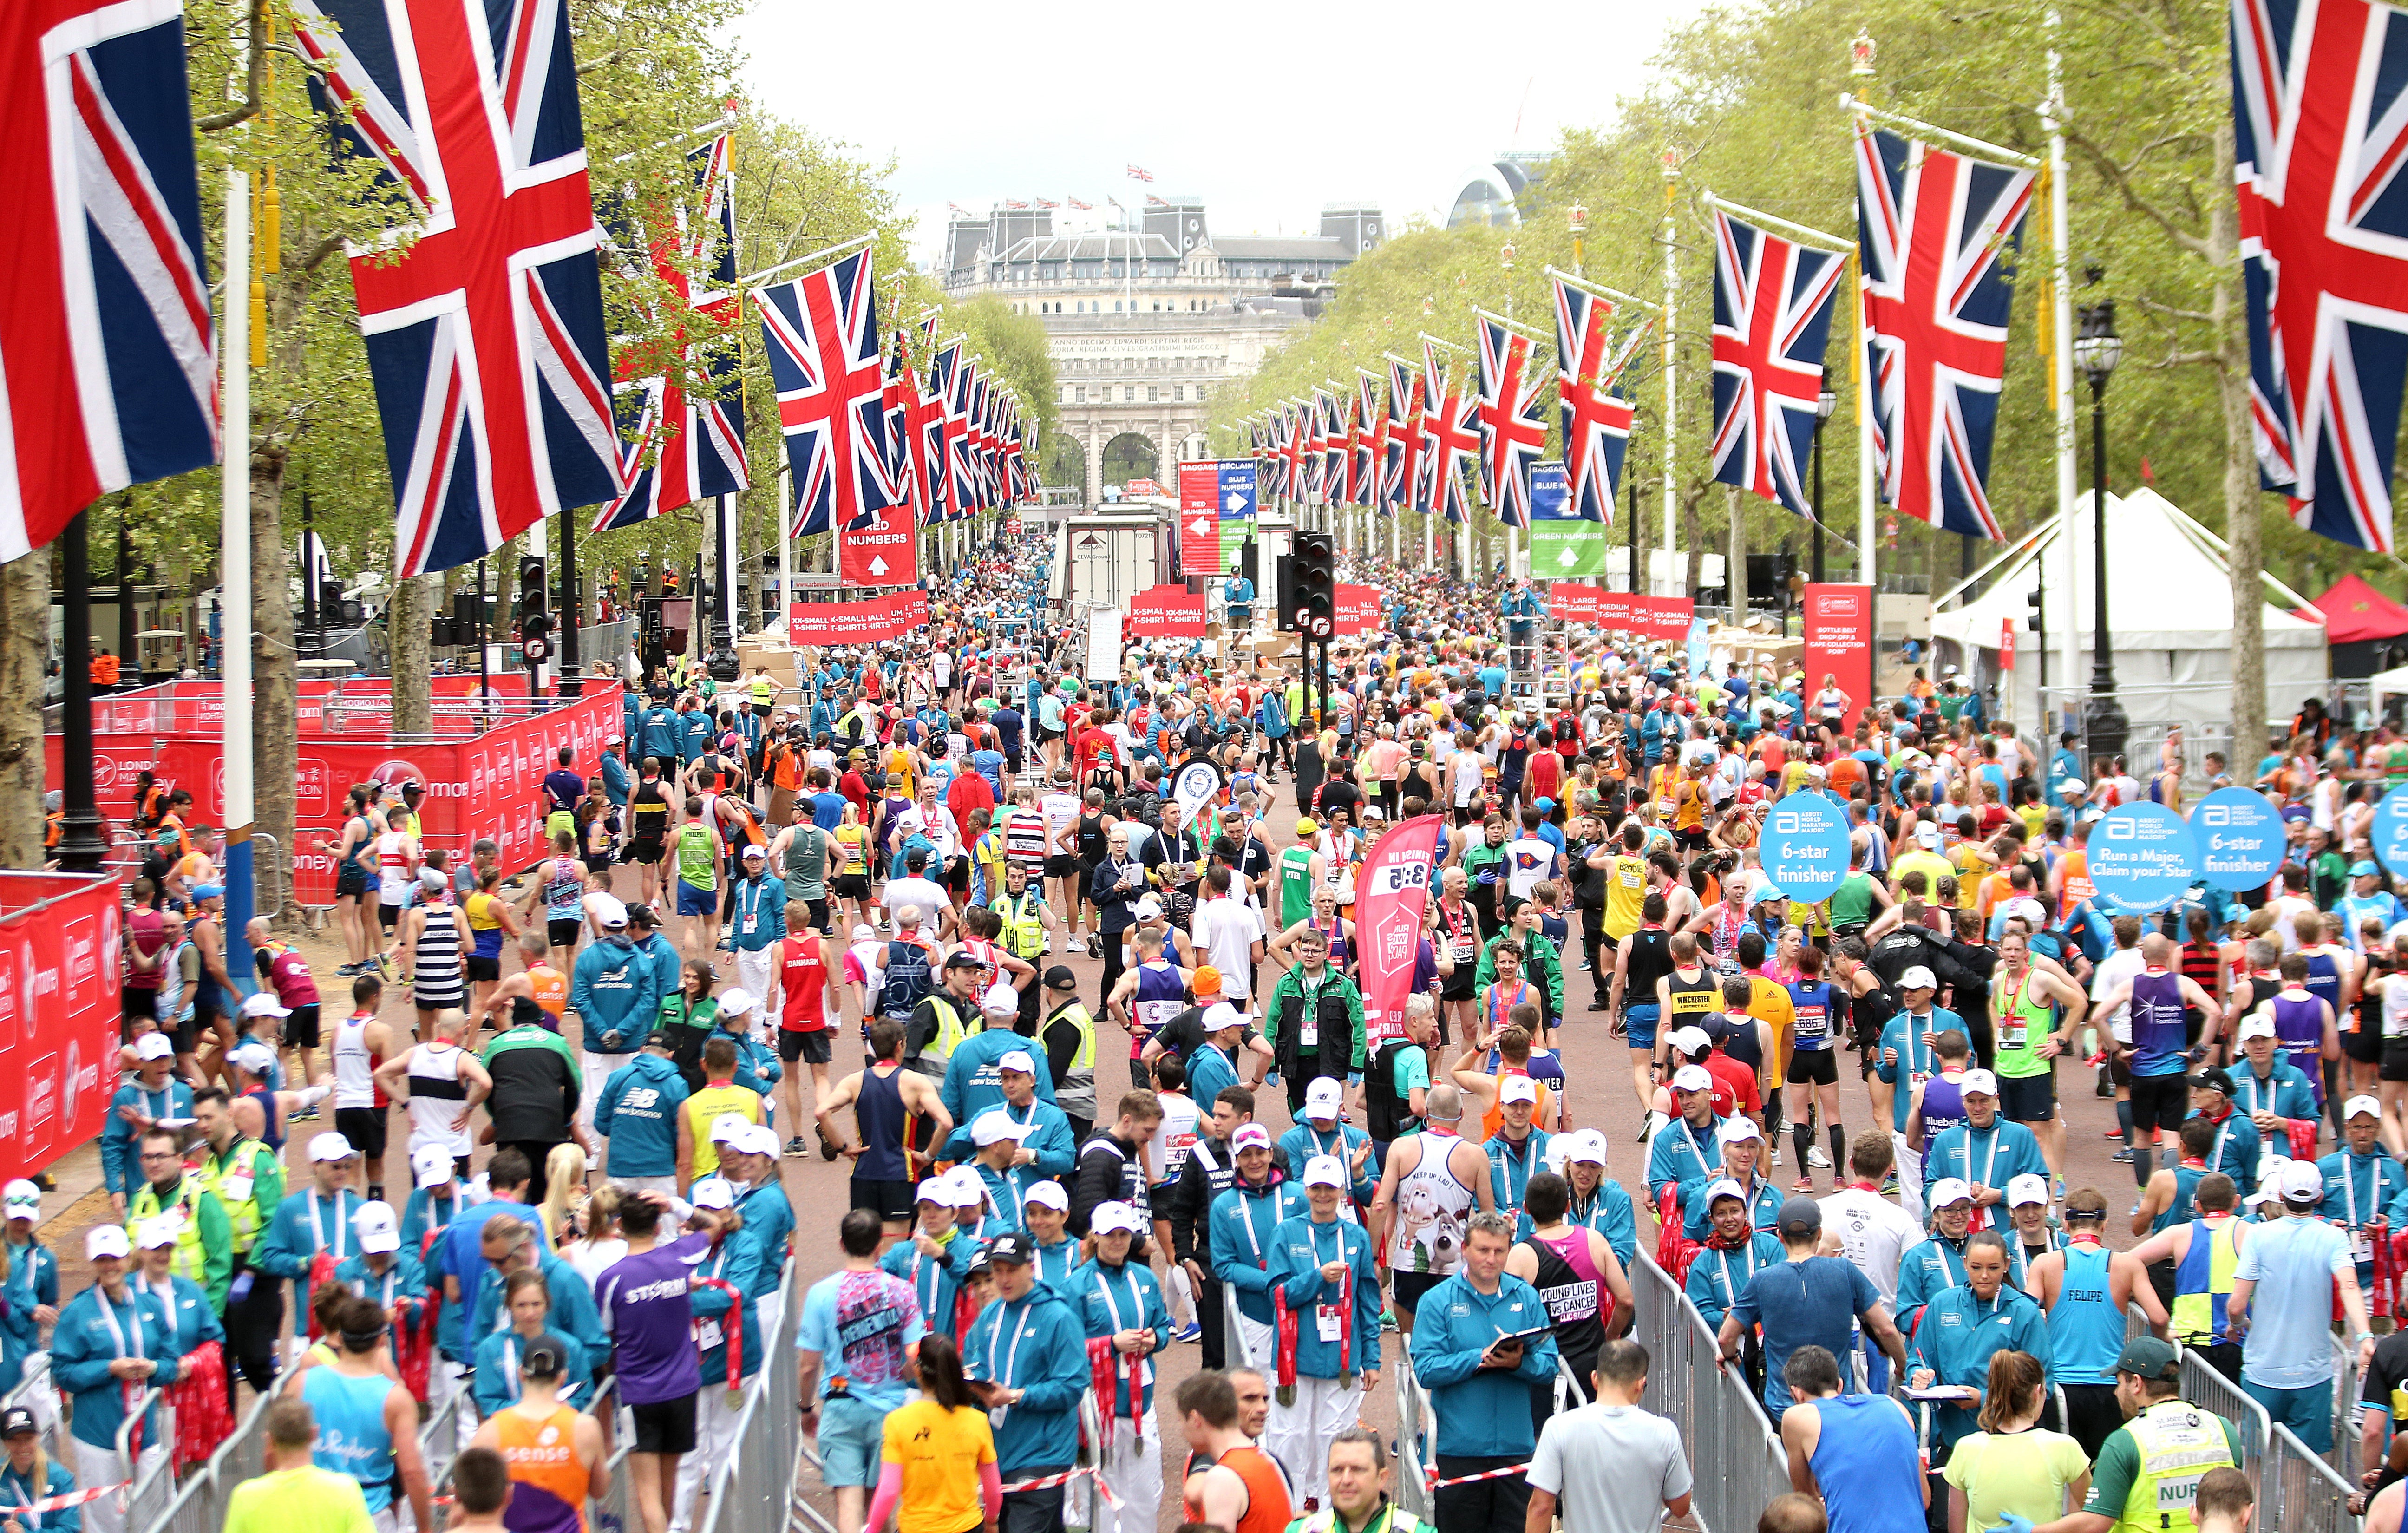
(1165, 612)
(58, 1015)
(1358, 609)
(889, 616)
(1840, 640)
(2142, 858)
(1391, 902)
(2007, 644)
(1575, 602)
(1200, 518)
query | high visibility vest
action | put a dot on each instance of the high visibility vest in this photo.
(2178, 1444)
(243, 1213)
(185, 1211)
(1023, 934)
(1075, 1093)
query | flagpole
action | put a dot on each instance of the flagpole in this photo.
(1671, 395)
(2061, 358)
(785, 543)
(755, 278)
(1797, 231)
(233, 583)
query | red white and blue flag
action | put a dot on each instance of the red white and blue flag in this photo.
(484, 335)
(1595, 413)
(821, 334)
(1450, 444)
(961, 492)
(933, 445)
(2321, 124)
(1369, 436)
(107, 357)
(687, 448)
(1400, 471)
(1931, 226)
(1294, 427)
(1512, 415)
(1773, 299)
(1333, 446)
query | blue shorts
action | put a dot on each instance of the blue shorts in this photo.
(852, 1435)
(2308, 1412)
(1639, 1023)
(693, 901)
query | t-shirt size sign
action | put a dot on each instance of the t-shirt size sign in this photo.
(2142, 858)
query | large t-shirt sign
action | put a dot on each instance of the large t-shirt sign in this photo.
(2240, 839)
(2142, 858)
(1805, 847)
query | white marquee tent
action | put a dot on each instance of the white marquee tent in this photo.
(2170, 613)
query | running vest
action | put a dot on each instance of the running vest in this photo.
(1811, 1031)
(439, 970)
(2299, 1026)
(351, 1436)
(484, 925)
(2157, 1037)
(1576, 1299)
(1944, 1106)
(2026, 1020)
(2085, 1330)
(1693, 999)
(1295, 884)
(1160, 998)
(805, 871)
(1433, 1211)
(2203, 1282)
(2178, 1444)
(436, 1094)
(550, 988)
(354, 1068)
(548, 1479)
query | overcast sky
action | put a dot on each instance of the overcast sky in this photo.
(1265, 122)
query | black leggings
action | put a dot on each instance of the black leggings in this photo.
(252, 1325)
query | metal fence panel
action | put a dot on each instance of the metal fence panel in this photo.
(2210, 1390)
(2299, 1492)
(1736, 1460)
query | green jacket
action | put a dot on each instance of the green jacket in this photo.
(1289, 997)
(1539, 966)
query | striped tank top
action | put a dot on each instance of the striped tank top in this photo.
(438, 982)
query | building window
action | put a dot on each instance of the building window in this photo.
(1178, 392)
(1082, 395)
(1152, 394)
(1128, 394)
(1199, 393)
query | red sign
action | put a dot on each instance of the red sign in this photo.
(884, 549)
(856, 622)
(1647, 617)
(1166, 611)
(1840, 640)
(1358, 609)
(1200, 518)
(1147, 487)
(1392, 894)
(2006, 643)
(1574, 602)
(58, 1015)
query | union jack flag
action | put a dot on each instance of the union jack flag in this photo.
(697, 445)
(1295, 426)
(1930, 228)
(1370, 437)
(1450, 444)
(2318, 129)
(1513, 421)
(485, 336)
(1773, 299)
(1334, 447)
(963, 496)
(108, 357)
(1595, 414)
(938, 431)
(821, 334)
(1400, 474)
(897, 398)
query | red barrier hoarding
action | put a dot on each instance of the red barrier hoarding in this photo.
(1199, 517)
(58, 1015)
(1840, 640)
(889, 616)
(1358, 609)
(1167, 612)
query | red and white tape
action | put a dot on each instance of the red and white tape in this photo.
(1509, 1470)
(1047, 1482)
(72, 1498)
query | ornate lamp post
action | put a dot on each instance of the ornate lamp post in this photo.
(2096, 349)
(1823, 403)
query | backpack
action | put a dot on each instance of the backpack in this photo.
(1384, 1113)
(908, 980)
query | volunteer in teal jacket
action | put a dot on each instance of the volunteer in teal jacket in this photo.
(317, 1218)
(1026, 1357)
(1963, 1325)
(1246, 1220)
(1481, 1385)
(109, 1337)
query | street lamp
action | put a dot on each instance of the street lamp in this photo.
(2096, 349)
(1580, 232)
(1823, 403)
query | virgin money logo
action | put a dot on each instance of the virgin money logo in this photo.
(42, 1093)
(309, 785)
(103, 772)
(81, 1080)
(1846, 604)
(394, 769)
(83, 953)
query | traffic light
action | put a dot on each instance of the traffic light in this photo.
(534, 617)
(2032, 596)
(1316, 584)
(1249, 563)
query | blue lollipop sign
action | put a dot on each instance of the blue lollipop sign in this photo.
(1805, 847)
(2392, 830)
(2142, 858)
(2240, 839)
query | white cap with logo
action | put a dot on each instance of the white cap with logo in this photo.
(379, 1228)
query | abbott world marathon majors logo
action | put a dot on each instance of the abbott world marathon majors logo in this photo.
(2142, 858)
(2239, 838)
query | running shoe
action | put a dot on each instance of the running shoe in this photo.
(796, 1147)
(1816, 1158)
(2116, 1134)
(1803, 1184)
(1889, 1181)
(1189, 1332)
(349, 970)
(1776, 1154)
(2122, 1155)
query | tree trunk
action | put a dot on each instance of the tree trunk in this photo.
(2246, 550)
(406, 624)
(275, 676)
(1735, 574)
(24, 647)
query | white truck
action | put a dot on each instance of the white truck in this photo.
(1107, 557)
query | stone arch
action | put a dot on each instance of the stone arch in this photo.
(1065, 460)
(1132, 454)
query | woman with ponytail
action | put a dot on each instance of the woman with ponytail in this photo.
(939, 1467)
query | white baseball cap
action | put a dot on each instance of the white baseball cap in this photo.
(1049, 1195)
(735, 1003)
(1917, 978)
(727, 1126)
(995, 1125)
(105, 1240)
(430, 1166)
(153, 1233)
(1249, 1136)
(260, 1003)
(939, 1189)
(1108, 1217)
(1723, 1186)
(610, 911)
(1517, 1088)
(712, 1192)
(1982, 1082)
(331, 1146)
(1324, 1171)
(1947, 1190)
(756, 1139)
(1000, 1001)
(2258, 1024)
(2027, 909)
(153, 1046)
(1018, 1059)
(1221, 1014)
(2357, 1105)
(379, 1228)
(21, 1199)
(2300, 1182)
(1692, 1078)
(967, 1190)
(1737, 1128)
(1149, 908)
(2030, 1188)
(254, 1056)
(1324, 1099)
(1691, 1041)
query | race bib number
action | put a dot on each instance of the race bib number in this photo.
(2015, 1035)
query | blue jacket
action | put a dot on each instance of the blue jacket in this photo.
(1057, 1152)
(756, 1067)
(615, 782)
(615, 989)
(573, 1310)
(458, 1253)
(33, 1281)
(408, 1278)
(17, 1492)
(661, 734)
(422, 1215)
(1245, 1221)
(496, 1364)
(759, 919)
(770, 1224)
(637, 1112)
(187, 1304)
(2238, 1145)
(972, 1083)
(737, 1262)
(1057, 1266)
(1302, 1142)
(1917, 1059)
(1112, 1299)
(2285, 1092)
(695, 734)
(83, 1346)
(1686, 1157)
(1510, 1168)
(1481, 1412)
(1036, 1344)
(1300, 1246)
(291, 1242)
(1991, 1156)
(119, 1171)
(1928, 1269)
(1956, 1337)
(1713, 1291)
(1763, 1205)
(934, 1280)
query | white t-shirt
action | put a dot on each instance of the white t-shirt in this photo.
(2287, 910)
(1061, 811)
(1874, 1234)
(1173, 1138)
(1528, 860)
(1224, 932)
(929, 896)
(941, 665)
(2113, 969)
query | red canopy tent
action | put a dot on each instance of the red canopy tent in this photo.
(2367, 630)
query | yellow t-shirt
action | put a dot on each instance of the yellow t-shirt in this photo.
(1770, 1004)
(703, 1109)
(1930, 863)
(939, 1451)
(308, 1497)
(1965, 857)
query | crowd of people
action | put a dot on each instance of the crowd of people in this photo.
(598, 1068)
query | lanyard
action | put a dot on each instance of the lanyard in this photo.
(1990, 1161)
(117, 1333)
(1111, 1305)
(920, 1263)
(318, 1231)
(1730, 1289)
(1246, 1220)
(1528, 1157)
(2349, 1186)
(1011, 1356)
(1689, 1137)
(2258, 1091)
(1918, 1042)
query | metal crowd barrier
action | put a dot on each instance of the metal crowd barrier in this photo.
(2299, 1492)
(2203, 1386)
(200, 1507)
(1416, 1441)
(151, 1488)
(1734, 1456)
(754, 1487)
